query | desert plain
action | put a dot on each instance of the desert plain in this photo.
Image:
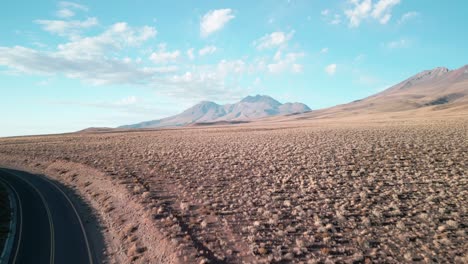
(372, 190)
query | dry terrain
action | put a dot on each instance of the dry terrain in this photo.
(387, 191)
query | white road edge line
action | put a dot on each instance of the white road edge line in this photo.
(77, 216)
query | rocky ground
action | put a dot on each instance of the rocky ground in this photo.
(392, 192)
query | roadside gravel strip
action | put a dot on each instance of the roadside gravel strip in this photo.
(7, 221)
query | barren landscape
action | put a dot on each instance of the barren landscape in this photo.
(329, 191)
(243, 132)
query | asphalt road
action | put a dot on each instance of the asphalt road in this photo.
(49, 229)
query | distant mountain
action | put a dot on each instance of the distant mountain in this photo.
(95, 130)
(431, 92)
(249, 108)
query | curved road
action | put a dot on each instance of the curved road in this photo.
(48, 228)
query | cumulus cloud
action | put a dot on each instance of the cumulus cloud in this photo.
(163, 56)
(66, 28)
(331, 69)
(382, 10)
(226, 67)
(364, 9)
(207, 50)
(87, 58)
(67, 9)
(118, 36)
(92, 60)
(407, 16)
(214, 21)
(202, 84)
(285, 63)
(104, 59)
(97, 71)
(65, 13)
(274, 39)
(360, 11)
(72, 5)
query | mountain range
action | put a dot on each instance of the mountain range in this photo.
(434, 92)
(249, 108)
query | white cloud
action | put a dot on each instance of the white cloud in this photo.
(98, 71)
(65, 13)
(397, 44)
(285, 63)
(408, 16)
(226, 67)
(65, 4)
(334, 19)
(206, 83)
(360, 11)
(88, 58)
(116, 37)
(67, 9)
(331, 69)
(380, 11)
(163, 56)
(207, 50)
(105, 58)
(324, 50)
(274, 39)
(67, 28)
(215, 20)
(190, 53)
(93, 60)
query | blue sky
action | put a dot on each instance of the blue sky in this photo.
(65, 66)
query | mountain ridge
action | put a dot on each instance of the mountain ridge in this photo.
(437, 91)
(247, 109)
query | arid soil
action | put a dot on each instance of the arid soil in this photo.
(386, 191)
